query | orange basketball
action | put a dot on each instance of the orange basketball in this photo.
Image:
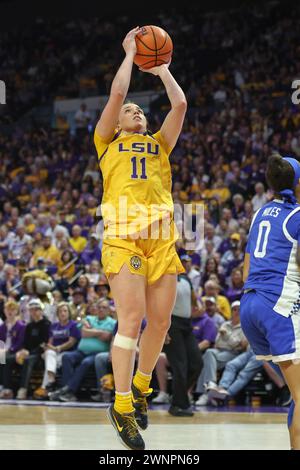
(154, 47)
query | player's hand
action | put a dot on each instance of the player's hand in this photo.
(156, 70)
(129, 44)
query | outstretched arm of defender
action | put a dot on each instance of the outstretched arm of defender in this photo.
(119, 88)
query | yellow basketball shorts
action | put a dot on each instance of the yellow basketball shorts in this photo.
(150, 257)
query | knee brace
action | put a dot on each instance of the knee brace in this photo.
(125, 342)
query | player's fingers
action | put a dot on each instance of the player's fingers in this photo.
(134, 31)
(137, 31)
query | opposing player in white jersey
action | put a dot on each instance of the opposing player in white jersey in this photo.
(270, 306)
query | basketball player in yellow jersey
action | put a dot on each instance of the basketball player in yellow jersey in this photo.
(142, 272)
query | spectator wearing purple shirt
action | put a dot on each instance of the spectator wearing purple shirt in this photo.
(12, 334)
(35, 337)
(233, 256)
(211, 308)
(224, 246)
(92, 251)
(63, 336)
(12, 330)
(234, 292)
(238, 206)
(204, 328)
(42, 224)
(62, 220)
(85, 219)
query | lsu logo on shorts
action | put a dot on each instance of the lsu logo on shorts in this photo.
(135, 262)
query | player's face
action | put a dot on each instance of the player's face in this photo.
(132, 118)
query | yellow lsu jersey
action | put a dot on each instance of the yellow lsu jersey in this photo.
(136, 182)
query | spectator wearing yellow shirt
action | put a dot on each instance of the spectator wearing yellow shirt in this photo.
(33, 176)
(77, 242)
(29, 224)
(220, 191)
(92, 206)
(24, 197)
(47, 198)
(48, 252)
(65, 268)
(212, 289)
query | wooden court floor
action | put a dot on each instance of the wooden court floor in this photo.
(43, 427)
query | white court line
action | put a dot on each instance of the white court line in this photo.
(158, 436)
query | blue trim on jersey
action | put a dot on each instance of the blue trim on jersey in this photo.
(296, 167)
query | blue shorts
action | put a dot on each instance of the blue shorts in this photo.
(272, 336)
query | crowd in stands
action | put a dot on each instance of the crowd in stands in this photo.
(237, 72)
(217, 56)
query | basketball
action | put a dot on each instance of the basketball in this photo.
(154, 47)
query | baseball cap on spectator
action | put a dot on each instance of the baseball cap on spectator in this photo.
(236, 303)
(210, 299)
(185, 258)
(94, 235)
(36, 303)
(235, 236)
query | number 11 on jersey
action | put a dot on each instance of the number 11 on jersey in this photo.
(136, 164)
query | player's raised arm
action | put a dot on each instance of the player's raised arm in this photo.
(119, 88)
(173, 122)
